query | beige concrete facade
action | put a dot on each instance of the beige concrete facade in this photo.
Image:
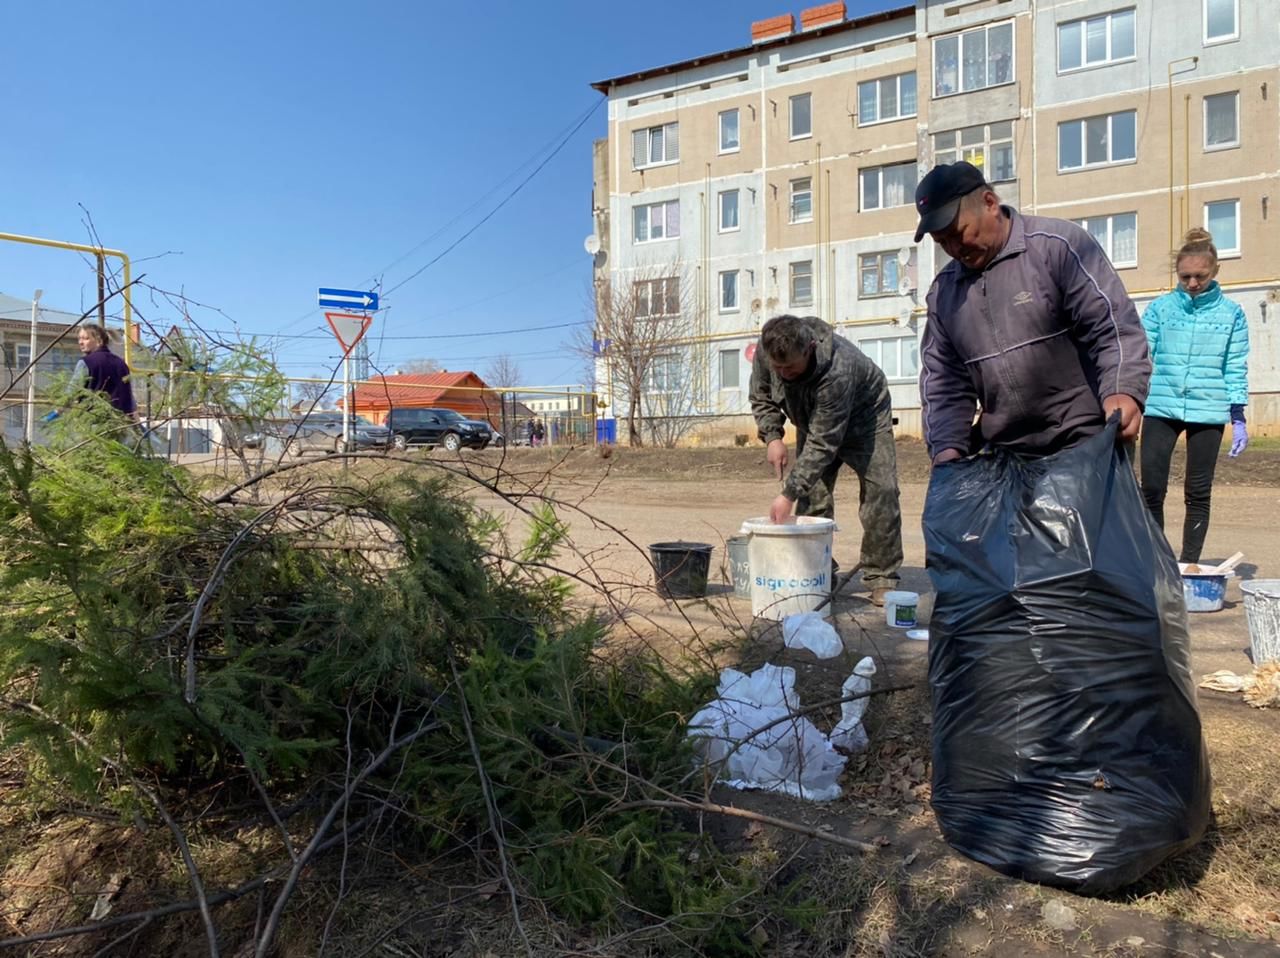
(799, 192)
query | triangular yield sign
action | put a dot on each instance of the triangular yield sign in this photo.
(348, 327)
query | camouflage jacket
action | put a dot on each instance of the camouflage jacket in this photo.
(838, 405)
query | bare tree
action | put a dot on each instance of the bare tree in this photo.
(420, 367)
(313, 394)
(502, 372)
(644, 344)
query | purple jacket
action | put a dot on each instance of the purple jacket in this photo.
(107, 373)
(1040, 338)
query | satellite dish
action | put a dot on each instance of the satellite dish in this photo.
(904, 255)
(591, 244)
(904, 286)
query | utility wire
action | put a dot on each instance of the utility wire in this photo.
(505, 200)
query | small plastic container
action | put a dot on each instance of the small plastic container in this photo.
(1203, 593)
(900, 609)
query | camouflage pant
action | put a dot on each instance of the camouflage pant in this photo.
(876, 463)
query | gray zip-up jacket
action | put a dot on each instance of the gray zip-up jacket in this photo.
(1040, 338)
(840, 404)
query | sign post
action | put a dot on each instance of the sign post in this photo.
(348, 328)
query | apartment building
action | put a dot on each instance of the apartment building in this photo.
(779, 176)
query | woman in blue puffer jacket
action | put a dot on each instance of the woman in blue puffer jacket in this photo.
(1199, 343)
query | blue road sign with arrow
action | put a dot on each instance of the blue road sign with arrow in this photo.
(349, 299)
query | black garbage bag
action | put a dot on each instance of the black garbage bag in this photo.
(1067, 746)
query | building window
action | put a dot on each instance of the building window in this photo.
(729, 142)
(898, 357)
(1221, 20)
(1097, 141)
(62, 360)
(973, 60)
(17, 356)
(16, 416)
(802, 200)
(801, 116)
(1222, 220)
(1221, 121)
(885, 186)
(1116, 234)
(889, 98)
(989, 148)
(878, 274)
(729, 369)
(655, 145)
(729, 291)
(728, 211)
(802, 283)
(664, 374)
(1097, 40)
(656, 298)
(656, 221)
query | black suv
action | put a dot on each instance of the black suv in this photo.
(436, 427)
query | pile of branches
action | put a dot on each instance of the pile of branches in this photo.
(360, 656)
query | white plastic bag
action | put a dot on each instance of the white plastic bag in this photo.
(809, 630)
(849, 733)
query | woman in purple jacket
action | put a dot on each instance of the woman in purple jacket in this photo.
(102, 371)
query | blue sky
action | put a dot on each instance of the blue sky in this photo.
(275, 147)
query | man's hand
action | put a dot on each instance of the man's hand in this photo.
(947, 455)
(776, 453)
(1130, 415)
(780, 511)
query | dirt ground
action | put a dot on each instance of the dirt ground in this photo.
(918, 897)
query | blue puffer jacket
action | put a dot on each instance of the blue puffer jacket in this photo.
(1199, 350)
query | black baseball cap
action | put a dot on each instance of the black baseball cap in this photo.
(939, 193)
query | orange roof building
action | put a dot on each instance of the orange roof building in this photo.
(463, 392)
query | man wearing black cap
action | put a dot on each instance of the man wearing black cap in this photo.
(1029, 320)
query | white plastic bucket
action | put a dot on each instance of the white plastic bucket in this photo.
(1262, 610)
(900, 609)
(790, 565)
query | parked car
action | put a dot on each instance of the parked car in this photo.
(437, 427)
(242, 435)
(323, 431)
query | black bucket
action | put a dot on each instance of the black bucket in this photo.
(681, 568)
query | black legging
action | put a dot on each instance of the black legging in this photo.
(1159, 436)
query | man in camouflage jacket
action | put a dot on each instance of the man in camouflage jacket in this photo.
(838, 400)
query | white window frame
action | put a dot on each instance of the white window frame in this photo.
(791, 116)
(880, 117)
(725, 305)
(649, 208)
(737, 211)
(737, 123)
(909, 193)
(880, 257)
(977, 153)
(1084, 144)
(959, 38)
(666, 384)
(874, 348)
(796, 192)
(1226, 37)
(1225, 251)
(725, 356)
(1235, 142)
(667, 288)
(1109, 59)
(800, 267)
(1109, 246)
(670, 153)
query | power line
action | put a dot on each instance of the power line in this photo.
(505, 200)
(563, 140)
(329, 336)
